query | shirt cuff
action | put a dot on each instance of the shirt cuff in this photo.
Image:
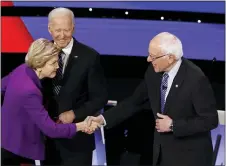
(104, 121)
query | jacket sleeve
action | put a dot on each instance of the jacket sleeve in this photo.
(38, 114)
(205, 107)
(97, 92)
(128, 107)
(4, 83)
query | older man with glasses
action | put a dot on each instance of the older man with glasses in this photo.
(182, 101)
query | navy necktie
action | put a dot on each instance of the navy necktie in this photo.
(163, 90)
(59, 75)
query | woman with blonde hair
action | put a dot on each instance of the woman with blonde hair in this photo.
(24, 119)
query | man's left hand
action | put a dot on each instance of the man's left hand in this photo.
(67, 117)
(163, 123)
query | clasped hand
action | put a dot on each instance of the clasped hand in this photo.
(89, 129)
(91, 123)
(88, 125)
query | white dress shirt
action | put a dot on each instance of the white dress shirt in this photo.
(67, 52)
(172, 73)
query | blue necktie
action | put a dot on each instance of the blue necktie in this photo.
(59, 75)
(163, 89)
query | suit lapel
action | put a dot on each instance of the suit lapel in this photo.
(175, 87)
(71, 60)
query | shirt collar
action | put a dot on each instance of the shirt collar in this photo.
(172, 73)
(68, 48)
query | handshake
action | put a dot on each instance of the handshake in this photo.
(90, 124)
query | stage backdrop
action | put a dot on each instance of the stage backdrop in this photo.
(209, 7)
(131, 37)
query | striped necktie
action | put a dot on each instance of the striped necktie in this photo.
(59, 75)
(163, 89)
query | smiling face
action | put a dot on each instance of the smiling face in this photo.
(50, 68)
(61, 28)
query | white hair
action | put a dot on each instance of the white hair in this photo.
(170, 44)
(61, 11)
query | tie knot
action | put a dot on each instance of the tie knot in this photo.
(61, 53)
(165, 76)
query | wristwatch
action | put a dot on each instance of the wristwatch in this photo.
(171, 126)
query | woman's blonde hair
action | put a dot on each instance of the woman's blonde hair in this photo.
(40, 51)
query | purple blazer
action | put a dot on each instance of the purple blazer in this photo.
(24, 120)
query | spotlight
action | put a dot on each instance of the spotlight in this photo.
(126, 13)
(199, 21)
(90, 9)
(162, 18)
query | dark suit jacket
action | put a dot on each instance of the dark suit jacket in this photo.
(83, 90)
(192, 107)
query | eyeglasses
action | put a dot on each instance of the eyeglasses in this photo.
(154, 58)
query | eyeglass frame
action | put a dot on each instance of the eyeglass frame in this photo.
(154, 58)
